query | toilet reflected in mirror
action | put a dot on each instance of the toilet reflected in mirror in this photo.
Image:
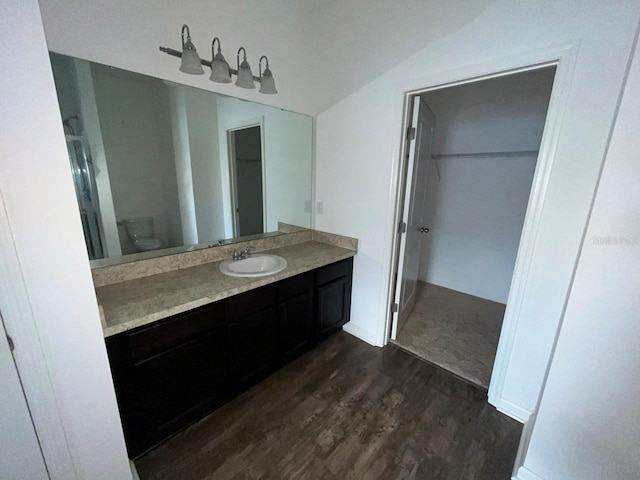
(140, 231)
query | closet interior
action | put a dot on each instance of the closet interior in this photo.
(479, 172)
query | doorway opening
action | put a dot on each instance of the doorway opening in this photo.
(471, 157)
(246, 167)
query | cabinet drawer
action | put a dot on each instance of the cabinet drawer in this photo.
(251, 302)
(294, 286)
(175, 331)
(334, 271)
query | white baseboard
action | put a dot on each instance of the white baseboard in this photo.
(361, 333)
(512, 410)
(525, 474)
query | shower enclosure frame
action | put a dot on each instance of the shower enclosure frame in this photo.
(84, 182)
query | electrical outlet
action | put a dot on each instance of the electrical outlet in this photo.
(320, 208)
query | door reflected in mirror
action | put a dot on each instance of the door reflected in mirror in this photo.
(161, 168)
(246, 166)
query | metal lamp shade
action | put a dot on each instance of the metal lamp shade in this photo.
(245, 77)
(267, 84)
(190, 60)
(220, 70)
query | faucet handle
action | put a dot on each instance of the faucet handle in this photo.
(236, 255)
(248, 251)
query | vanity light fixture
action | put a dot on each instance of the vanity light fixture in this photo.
(190, 59)
(219, 66)
(245, 77)
(267, 84)
(220, 70)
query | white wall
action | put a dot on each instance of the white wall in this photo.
(358, 40)
(166, 165)
(182, 158)
(477, 220)
(358, 143)
(476, 206)
(41, 207)
(127, 35)
(587, 423)
(287, 157)
(205, 163)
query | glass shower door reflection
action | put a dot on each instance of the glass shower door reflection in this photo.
(87, 196)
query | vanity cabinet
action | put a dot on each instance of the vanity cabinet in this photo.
(173, 372)
(169, 374)
(333, 296)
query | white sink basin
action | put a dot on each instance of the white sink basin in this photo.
(256, 266)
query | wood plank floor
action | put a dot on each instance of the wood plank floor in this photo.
(346, 410)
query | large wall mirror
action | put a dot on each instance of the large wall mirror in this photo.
(161, 168)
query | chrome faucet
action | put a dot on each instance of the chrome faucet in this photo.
(246, 253)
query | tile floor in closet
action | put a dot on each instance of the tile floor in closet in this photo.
(455, 331)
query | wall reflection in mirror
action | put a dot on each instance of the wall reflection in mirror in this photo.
(160, 167)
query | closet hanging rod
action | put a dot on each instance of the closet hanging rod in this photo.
(515, 153)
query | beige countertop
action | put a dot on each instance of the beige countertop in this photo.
(138, 302)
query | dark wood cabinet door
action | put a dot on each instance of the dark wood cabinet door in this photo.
(296, 321)
(333, 296)
(332, 309)
(170, 373)
(127, 393)
(180, 385)
(254, 347)
(253, 335)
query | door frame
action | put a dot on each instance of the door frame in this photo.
(233, 186)
(23, 433)
(30, 359)
(564, 59)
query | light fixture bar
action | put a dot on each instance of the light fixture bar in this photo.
(206, 63)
